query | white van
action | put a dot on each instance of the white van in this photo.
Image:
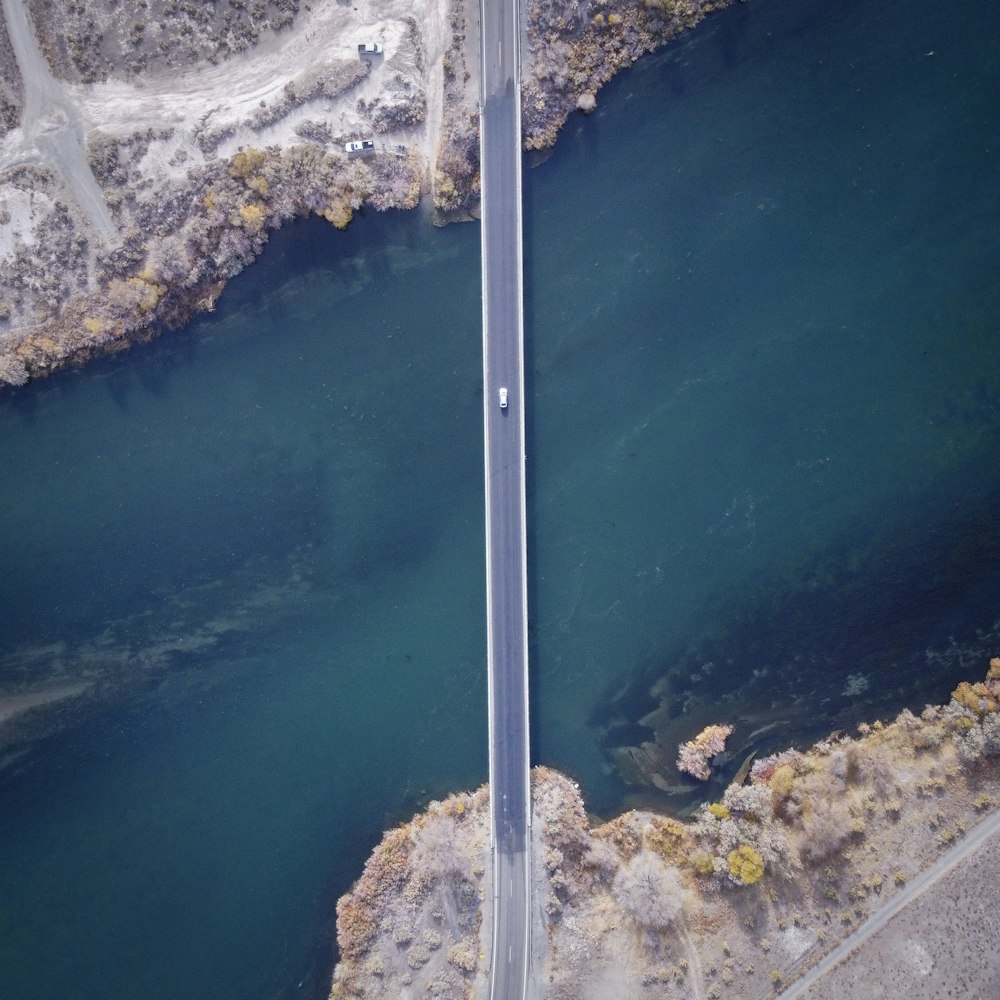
(503, 397)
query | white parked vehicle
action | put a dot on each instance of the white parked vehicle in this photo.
(503, 397)
(359, 146)
(369, 49)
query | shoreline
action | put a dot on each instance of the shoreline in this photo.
(823, 849)
(185, 170)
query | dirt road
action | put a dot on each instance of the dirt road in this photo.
(52, 130)
(971, 843)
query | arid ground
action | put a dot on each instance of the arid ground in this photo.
(819, 848)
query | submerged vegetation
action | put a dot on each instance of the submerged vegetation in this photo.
(781, 869)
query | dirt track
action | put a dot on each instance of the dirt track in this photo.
(52, 131)
(833, 978)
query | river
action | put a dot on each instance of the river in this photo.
(764, 402)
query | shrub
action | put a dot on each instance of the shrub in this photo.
(439, 850)
(95, 325)
(826, 826)
(253, 216)
(782, 782)
(462, 956)
(649, 891)
(750, 823)
(746, 866)
(752, 802)
(703, 864)
(668, 839)
(991, 735)
(695, 756)
(975, 697)
(993, 674)
(764, 768)
(246, 162)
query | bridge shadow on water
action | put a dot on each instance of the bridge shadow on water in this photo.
(531, 470)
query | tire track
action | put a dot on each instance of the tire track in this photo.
(928, 878)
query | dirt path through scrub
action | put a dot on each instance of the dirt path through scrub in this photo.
(881, 917)
(52, 131)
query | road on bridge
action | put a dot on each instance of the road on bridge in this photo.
(506, 566)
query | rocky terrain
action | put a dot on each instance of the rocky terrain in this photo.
(148, 148)
(740, 901)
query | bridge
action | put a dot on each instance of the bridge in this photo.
(506, 560)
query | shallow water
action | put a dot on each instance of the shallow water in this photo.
(766, 370)
(299, 480)
(763, 291)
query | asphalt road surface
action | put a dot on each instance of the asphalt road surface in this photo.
(503, 367)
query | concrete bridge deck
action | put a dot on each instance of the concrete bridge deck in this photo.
(506, 546)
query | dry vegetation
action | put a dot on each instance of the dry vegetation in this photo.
(738, 902)
(11, 91)
(87, 41)
(170, 92)
(411, 925)
(943, 944)
(195, 179)
(177, 251)
(576, 47)
(456, 176)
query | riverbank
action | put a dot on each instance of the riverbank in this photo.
(740, 902)
(140, 172)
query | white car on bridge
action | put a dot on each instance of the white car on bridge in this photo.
(503, 397)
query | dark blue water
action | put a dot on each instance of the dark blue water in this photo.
(763, 291)
(273, 524)
(766, 368)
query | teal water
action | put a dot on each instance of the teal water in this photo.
(763, 292)
(299, 478)
(767, 371)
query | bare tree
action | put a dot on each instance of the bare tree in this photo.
(826, 826)
(439, 850)
(651, 892)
